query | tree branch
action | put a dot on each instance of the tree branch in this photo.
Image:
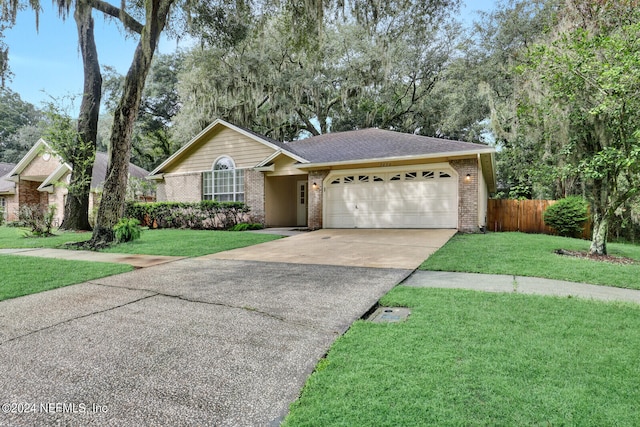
(127, 20)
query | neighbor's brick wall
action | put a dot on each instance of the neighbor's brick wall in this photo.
(57, 198)
(161, 191)
(315, 198)
(28, 194)
(254, 194)
(467, 194)
(11, 207)
(183, 187)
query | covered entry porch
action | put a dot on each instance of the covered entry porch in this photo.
(286, 200)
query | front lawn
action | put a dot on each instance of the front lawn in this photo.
(190, 243)
(24, 275)
(13, 238)
(521, 254)
(471, 358)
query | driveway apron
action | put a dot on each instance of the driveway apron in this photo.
(196, 341)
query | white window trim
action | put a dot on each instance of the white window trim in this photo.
(235, 194)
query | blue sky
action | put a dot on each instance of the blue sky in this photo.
(47, 63)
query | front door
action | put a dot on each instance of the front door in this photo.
(301, 203)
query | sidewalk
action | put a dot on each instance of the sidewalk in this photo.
(519, 284)
(137, 261)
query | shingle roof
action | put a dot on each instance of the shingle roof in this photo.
(99, 172)
(6, 185)
(374, 144)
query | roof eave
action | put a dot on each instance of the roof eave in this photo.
(208, 129)
(28, 158)
(56, 175)
(465, 153)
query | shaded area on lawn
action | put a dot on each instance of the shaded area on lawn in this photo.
(169, 242)
(470, 358)
(532, 255)
(22, 275)
(14, 238)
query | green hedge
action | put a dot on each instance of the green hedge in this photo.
(204, 215)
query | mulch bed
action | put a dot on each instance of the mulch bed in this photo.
(602, 258)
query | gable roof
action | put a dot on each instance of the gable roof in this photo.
(6, 186)
(378, 144)
(98, 175)
(41, 144)
(272, 143)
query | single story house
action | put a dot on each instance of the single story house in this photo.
(8, 199)
(369, 178)
(38, 176)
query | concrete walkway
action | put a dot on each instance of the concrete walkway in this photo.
(137, 261)
(519, 284)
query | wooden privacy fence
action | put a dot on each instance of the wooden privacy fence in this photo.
(522, 215)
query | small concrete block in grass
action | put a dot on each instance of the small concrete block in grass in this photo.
(389, 315)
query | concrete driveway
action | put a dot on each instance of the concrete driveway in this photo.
(348, 247)
(197, 341)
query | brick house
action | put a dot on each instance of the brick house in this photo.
(8, 198)
(39, 178)
(368, 178)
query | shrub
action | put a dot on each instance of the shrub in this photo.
(244, 226)
(567, 216)
(127, 230)
(1, 216)
(205, 215)
(37, 218)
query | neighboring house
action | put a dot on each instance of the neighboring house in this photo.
(40, 178)
(368, 178)
(8, 199)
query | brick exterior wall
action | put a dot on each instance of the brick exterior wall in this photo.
(467, 194)
(314, 220)
(11, 207)
(254, 194)
(184, 187)
(161, 191)
(28, 194)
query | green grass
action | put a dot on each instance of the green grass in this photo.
(475, 359)
(170, 242)
(23, 275)
(13, 238)
(189, 243)
(532, 255)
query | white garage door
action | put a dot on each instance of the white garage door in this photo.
(419, 198)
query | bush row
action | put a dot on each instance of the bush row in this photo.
(204, 215)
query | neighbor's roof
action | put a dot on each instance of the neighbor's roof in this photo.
(374, 144)
(6, 186)
(99, 173)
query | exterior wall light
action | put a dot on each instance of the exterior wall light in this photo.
(314, 186)
(468, 178)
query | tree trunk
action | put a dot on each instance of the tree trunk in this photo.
(599, 234)
(113, 197)
(76, 208)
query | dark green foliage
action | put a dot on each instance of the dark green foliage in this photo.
(204, 215)
(127, 230)
(244, 226)
(567, 216)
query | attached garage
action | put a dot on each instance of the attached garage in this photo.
(416, 197)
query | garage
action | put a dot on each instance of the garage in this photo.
(417, 197)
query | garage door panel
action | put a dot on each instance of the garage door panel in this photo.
(416, 199)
